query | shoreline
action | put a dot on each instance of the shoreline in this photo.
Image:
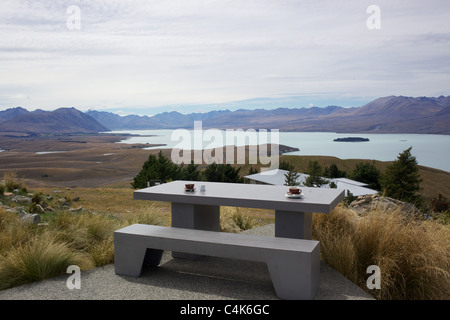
(101, 161)
(383, 147)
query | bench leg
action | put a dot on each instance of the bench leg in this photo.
(297, 278)
(153, 257)
(129, 256)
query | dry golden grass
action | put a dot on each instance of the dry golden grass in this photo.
(413, 255)
(235, 219)
(38, 257)
(12, 182)
(30, 253)
(105, 200)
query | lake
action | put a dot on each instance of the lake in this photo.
(429, 150)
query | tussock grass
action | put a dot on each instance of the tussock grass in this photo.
(12, 182)
(413, 255)
(83, 231)
(41, 257)
(145, 213)
(233, 219)
(13, 233)
(31, 253)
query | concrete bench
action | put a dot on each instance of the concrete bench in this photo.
(293, 264)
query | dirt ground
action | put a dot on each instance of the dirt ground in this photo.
(78, 160)
(72, 160)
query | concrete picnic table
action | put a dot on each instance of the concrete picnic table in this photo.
(199, 209)
(292, 257)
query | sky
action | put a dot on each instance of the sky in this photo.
(148, 56)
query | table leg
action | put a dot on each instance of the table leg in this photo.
(194, 216)
(290, 224)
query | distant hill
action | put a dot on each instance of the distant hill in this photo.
(223, 119)
(63, 120)
(393, 114)
(165, 120)
(397, 114)
(12, 113)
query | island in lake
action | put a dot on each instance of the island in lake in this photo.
(351, 139)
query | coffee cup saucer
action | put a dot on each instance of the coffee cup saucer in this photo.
(294, 195)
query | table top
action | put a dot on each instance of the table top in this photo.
(321, 200)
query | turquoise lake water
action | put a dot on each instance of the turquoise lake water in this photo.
(429, 150)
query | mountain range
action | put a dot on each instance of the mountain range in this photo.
(392, 114)
(60, 121)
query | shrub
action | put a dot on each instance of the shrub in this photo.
(158, 168)
(368, 173)
(11, 182)
(40, 258)
(285, 165)
(147, 214)
(191, 172)
(102, 253)
(97, 228)
(222, 173)
(243, 222)
(38, 198)
(315, 175)
(413, 255)
(13, 232)
(334, 172)
(31, 253)
(82, 231)
(291, 178)
(402, 179)
(7, 219)
(233, 220)
(440, 204)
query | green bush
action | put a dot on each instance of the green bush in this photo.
(163, 169)
(368, 173)
(222, 173)
(402, 179)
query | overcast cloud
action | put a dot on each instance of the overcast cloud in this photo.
(131, 54)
